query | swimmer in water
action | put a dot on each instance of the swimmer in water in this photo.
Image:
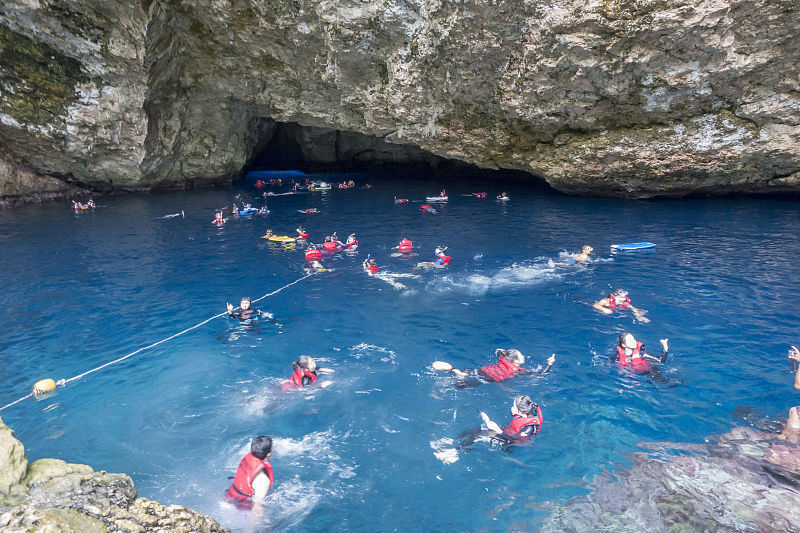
(245, 312)
(218, 218)
(305, 373)
(352, 242)
(792, 430)
(526, 421)
(502, 196)
(302, 234)
(263, 210)
(441, 260)
(370, 267)
(619, 300)
(632, 353)
(509, 366)
(582, 257)
(253, 477)
(268, 234)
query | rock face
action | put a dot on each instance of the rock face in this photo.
(630, 98)
(51, 495)
(745, 482)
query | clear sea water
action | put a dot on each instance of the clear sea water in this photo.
(79, 290)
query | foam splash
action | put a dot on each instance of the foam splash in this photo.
(372, 352)
(443, 450)
(540, 270)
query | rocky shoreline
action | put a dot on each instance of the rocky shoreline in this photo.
(54, 496)
(747, 480)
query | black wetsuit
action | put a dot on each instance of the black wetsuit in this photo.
(246, 314)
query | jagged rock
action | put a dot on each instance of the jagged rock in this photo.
(13, 462)
(627, 98)
(50, 495)
(745, 482)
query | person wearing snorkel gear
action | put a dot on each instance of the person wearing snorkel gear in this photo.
(526, 421)
(582, 257)
(352, 242)
(441, 260)
(253, 477)
(509, 366)
(302, 234)
(305, 373)
(619, 300)
(632, 353)
(218, 219)
(370, 267)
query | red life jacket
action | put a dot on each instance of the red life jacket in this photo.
(405, 246)
(313, 255)
(612, 303)
(330, 246)
(500, 371)
(513, 430)
(445, 258)
(297, 378)
(241, 490)
(425, 207)
(302, 235)
(374, 269)
(352, 246)
(636, 361)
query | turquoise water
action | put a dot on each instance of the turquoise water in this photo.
(359, 455)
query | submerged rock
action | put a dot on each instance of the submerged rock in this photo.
(52, 495)
(747, 481)
(616, 98)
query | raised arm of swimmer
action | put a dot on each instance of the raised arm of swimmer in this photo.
(794, 353)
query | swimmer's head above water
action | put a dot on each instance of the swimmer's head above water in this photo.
(512, 355)
(587, 249)
(523, 405)
(245, 303)
(261, 447)
(306, 363)
(620, 296)
(627, 341)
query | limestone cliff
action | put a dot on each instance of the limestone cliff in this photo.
(627, 98)
(54, 496)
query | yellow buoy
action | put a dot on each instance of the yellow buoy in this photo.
(44, 386)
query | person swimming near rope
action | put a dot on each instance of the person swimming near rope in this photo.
(305, 373)
(509, 366)
(632, 353)
(247, 314)
(619, 300)
(582, 257)
(253, 477)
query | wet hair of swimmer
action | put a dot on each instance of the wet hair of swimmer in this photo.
(304, 362)
(623, 337)
(512, 355)
(261, 446)
(524, 404)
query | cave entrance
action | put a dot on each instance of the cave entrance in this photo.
(310, 149)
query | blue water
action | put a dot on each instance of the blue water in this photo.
(80, 290)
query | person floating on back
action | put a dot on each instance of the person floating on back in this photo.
(442, 260)
(632, 353)
(619, 300)
(253, 477)
(509, 366)
(305, 373)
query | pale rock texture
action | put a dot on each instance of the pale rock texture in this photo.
(52, 496)
(630, 98)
